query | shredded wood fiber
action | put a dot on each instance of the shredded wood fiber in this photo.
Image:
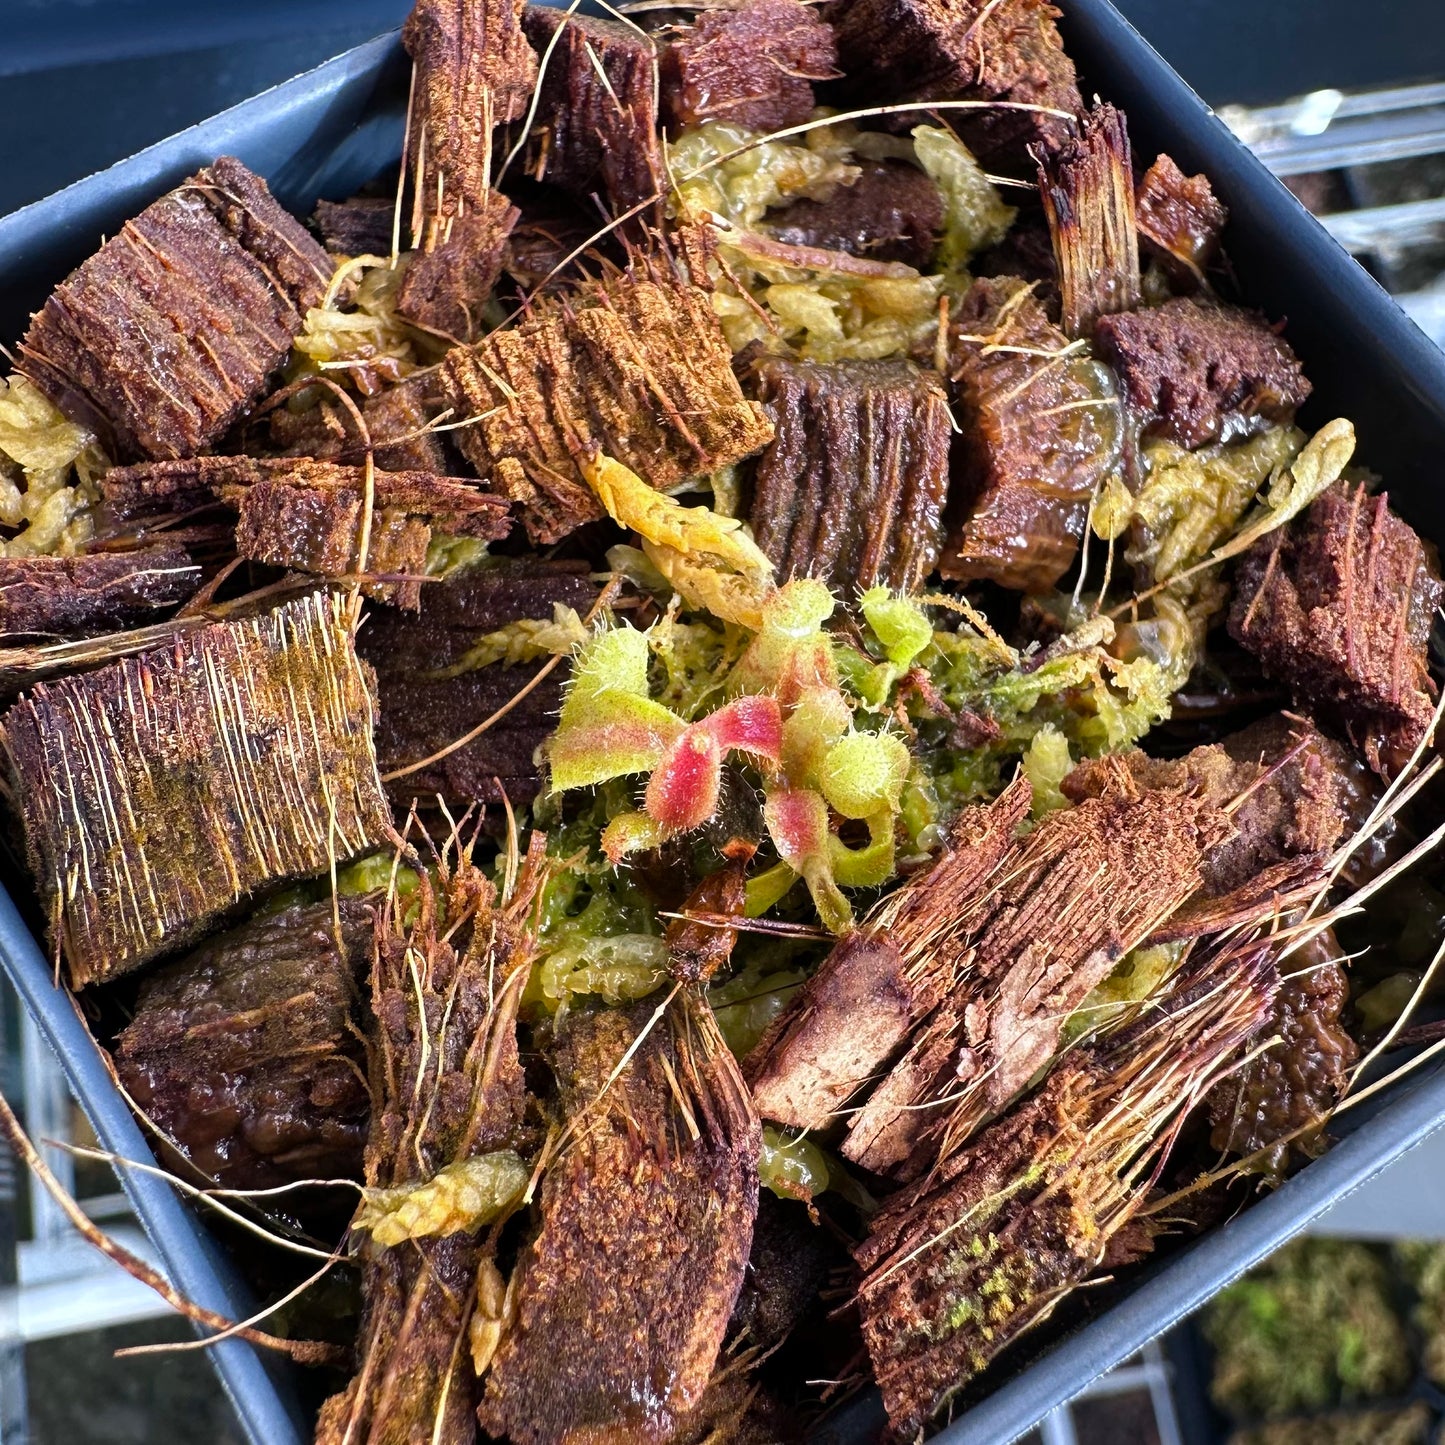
(957, 1268)
(1087, 187)
(1087, 886)
(448, 1086)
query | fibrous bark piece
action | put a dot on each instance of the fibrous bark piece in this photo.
(243, 1051)
(753, 65)
(1202, 373)
(962, 49)
(852, 487)
(161, 791)
(959, 1267)
(361, 226)
(647, 1220)
(99, 592)
(1041, 431)
(170, 331)
(425, 704)
(447, 285)
(891, 212)
(1180, 219)
(1295, 784)
(398, 420)
(1087, 886)
(854, 1014)
(636, 365)
(1271, 1103)
(153, 491)
(1339, 606)
(450, 1094)
(307, 515)
(595, 131)
(475, 71)
(1087, 187)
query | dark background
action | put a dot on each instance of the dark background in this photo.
(84, 83)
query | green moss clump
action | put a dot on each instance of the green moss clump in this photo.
(1310, 1329)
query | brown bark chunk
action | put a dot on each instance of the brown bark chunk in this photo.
(962, 49)
(361, 226)
(1089, 884)
(1040, 433)
(418, 1302)
(636, 365)
(443, 1053)
(1180, 219)
(243, 750)
(423, 710)
(445, 288)
(1339, 606)
(647, 1221)
(851, 488)
(397, 420)
(170, 331)
(307, 516)
(852, 1016)
(243, 1051)
(751, 66)
(101, 592)
(1273, 1100)
(151, 491)
(1203, 373)
(595, 136)
(1296, 784)
(475, 71)
(891, 212)
(957, 1268)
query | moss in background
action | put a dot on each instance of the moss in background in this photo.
(1423, 1264)
(1365, 1427)
(1310, 1329)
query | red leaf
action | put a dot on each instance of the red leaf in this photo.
(683, 790)
(749, 724)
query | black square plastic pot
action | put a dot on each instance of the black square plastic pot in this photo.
(326, 133)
